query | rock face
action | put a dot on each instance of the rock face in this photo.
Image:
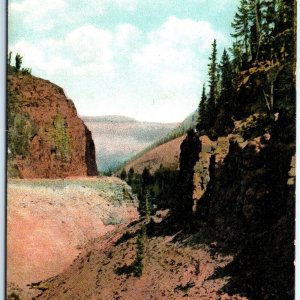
(212, 153)
(244, 193)
(46, 138)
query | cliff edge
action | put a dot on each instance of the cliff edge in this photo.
(46, 138)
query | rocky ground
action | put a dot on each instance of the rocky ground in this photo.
(50, 221)
(169, 269)
(68, 239)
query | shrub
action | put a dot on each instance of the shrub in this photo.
(19, 60)
(61, 139)
(21, 128)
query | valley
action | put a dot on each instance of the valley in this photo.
(110, 208)
(117, 138)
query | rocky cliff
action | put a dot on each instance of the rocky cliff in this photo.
(46, 138)
(244, 203)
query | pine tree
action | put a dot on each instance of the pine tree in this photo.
(202, 112)
(146, 180)
(255, 23)
(123, 174)
(226, 79)
(130, 176)
(213, 83)
(237, 61)
(241, 28)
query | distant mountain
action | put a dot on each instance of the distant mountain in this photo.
(112, 119)
(188, 123)
(165, 151)
(118, 138)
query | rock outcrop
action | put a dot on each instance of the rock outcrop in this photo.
(244, 199)
(46, 138)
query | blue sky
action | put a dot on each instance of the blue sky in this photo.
(140, 58)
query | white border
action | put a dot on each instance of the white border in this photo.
(2, 145)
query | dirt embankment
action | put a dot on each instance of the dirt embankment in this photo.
(49, 222)
(169, 269)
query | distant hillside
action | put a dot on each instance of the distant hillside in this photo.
(118, 138)
(166, 155)
(165, 151)
(188, 123)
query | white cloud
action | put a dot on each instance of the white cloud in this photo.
(175, 52)
(127, 36)
(113, 69)
(36, 13)
(184, 33)
(42, 15)
(37, 57)
(91, 49)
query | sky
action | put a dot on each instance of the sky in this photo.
(145, 59)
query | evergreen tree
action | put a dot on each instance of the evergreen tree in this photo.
(285, 29)
(226, 79)
(146, 180)
(130, 176)
(237, 61)
(18, 59)
(202, 113)
(241, 28)
(213, 83)
(123, 174)
(255, 23)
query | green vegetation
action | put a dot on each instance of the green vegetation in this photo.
(136, 268)
(19, 60)
(123, 175)
(111, 191)
(21, 129)
(213, 82)
(262, 60)
(62, 141)
(130, 176)
(26, 71)
(18, 64)
(160, 190)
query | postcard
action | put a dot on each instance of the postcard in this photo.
(151, 149)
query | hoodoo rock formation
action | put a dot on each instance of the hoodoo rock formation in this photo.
(46, 138)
